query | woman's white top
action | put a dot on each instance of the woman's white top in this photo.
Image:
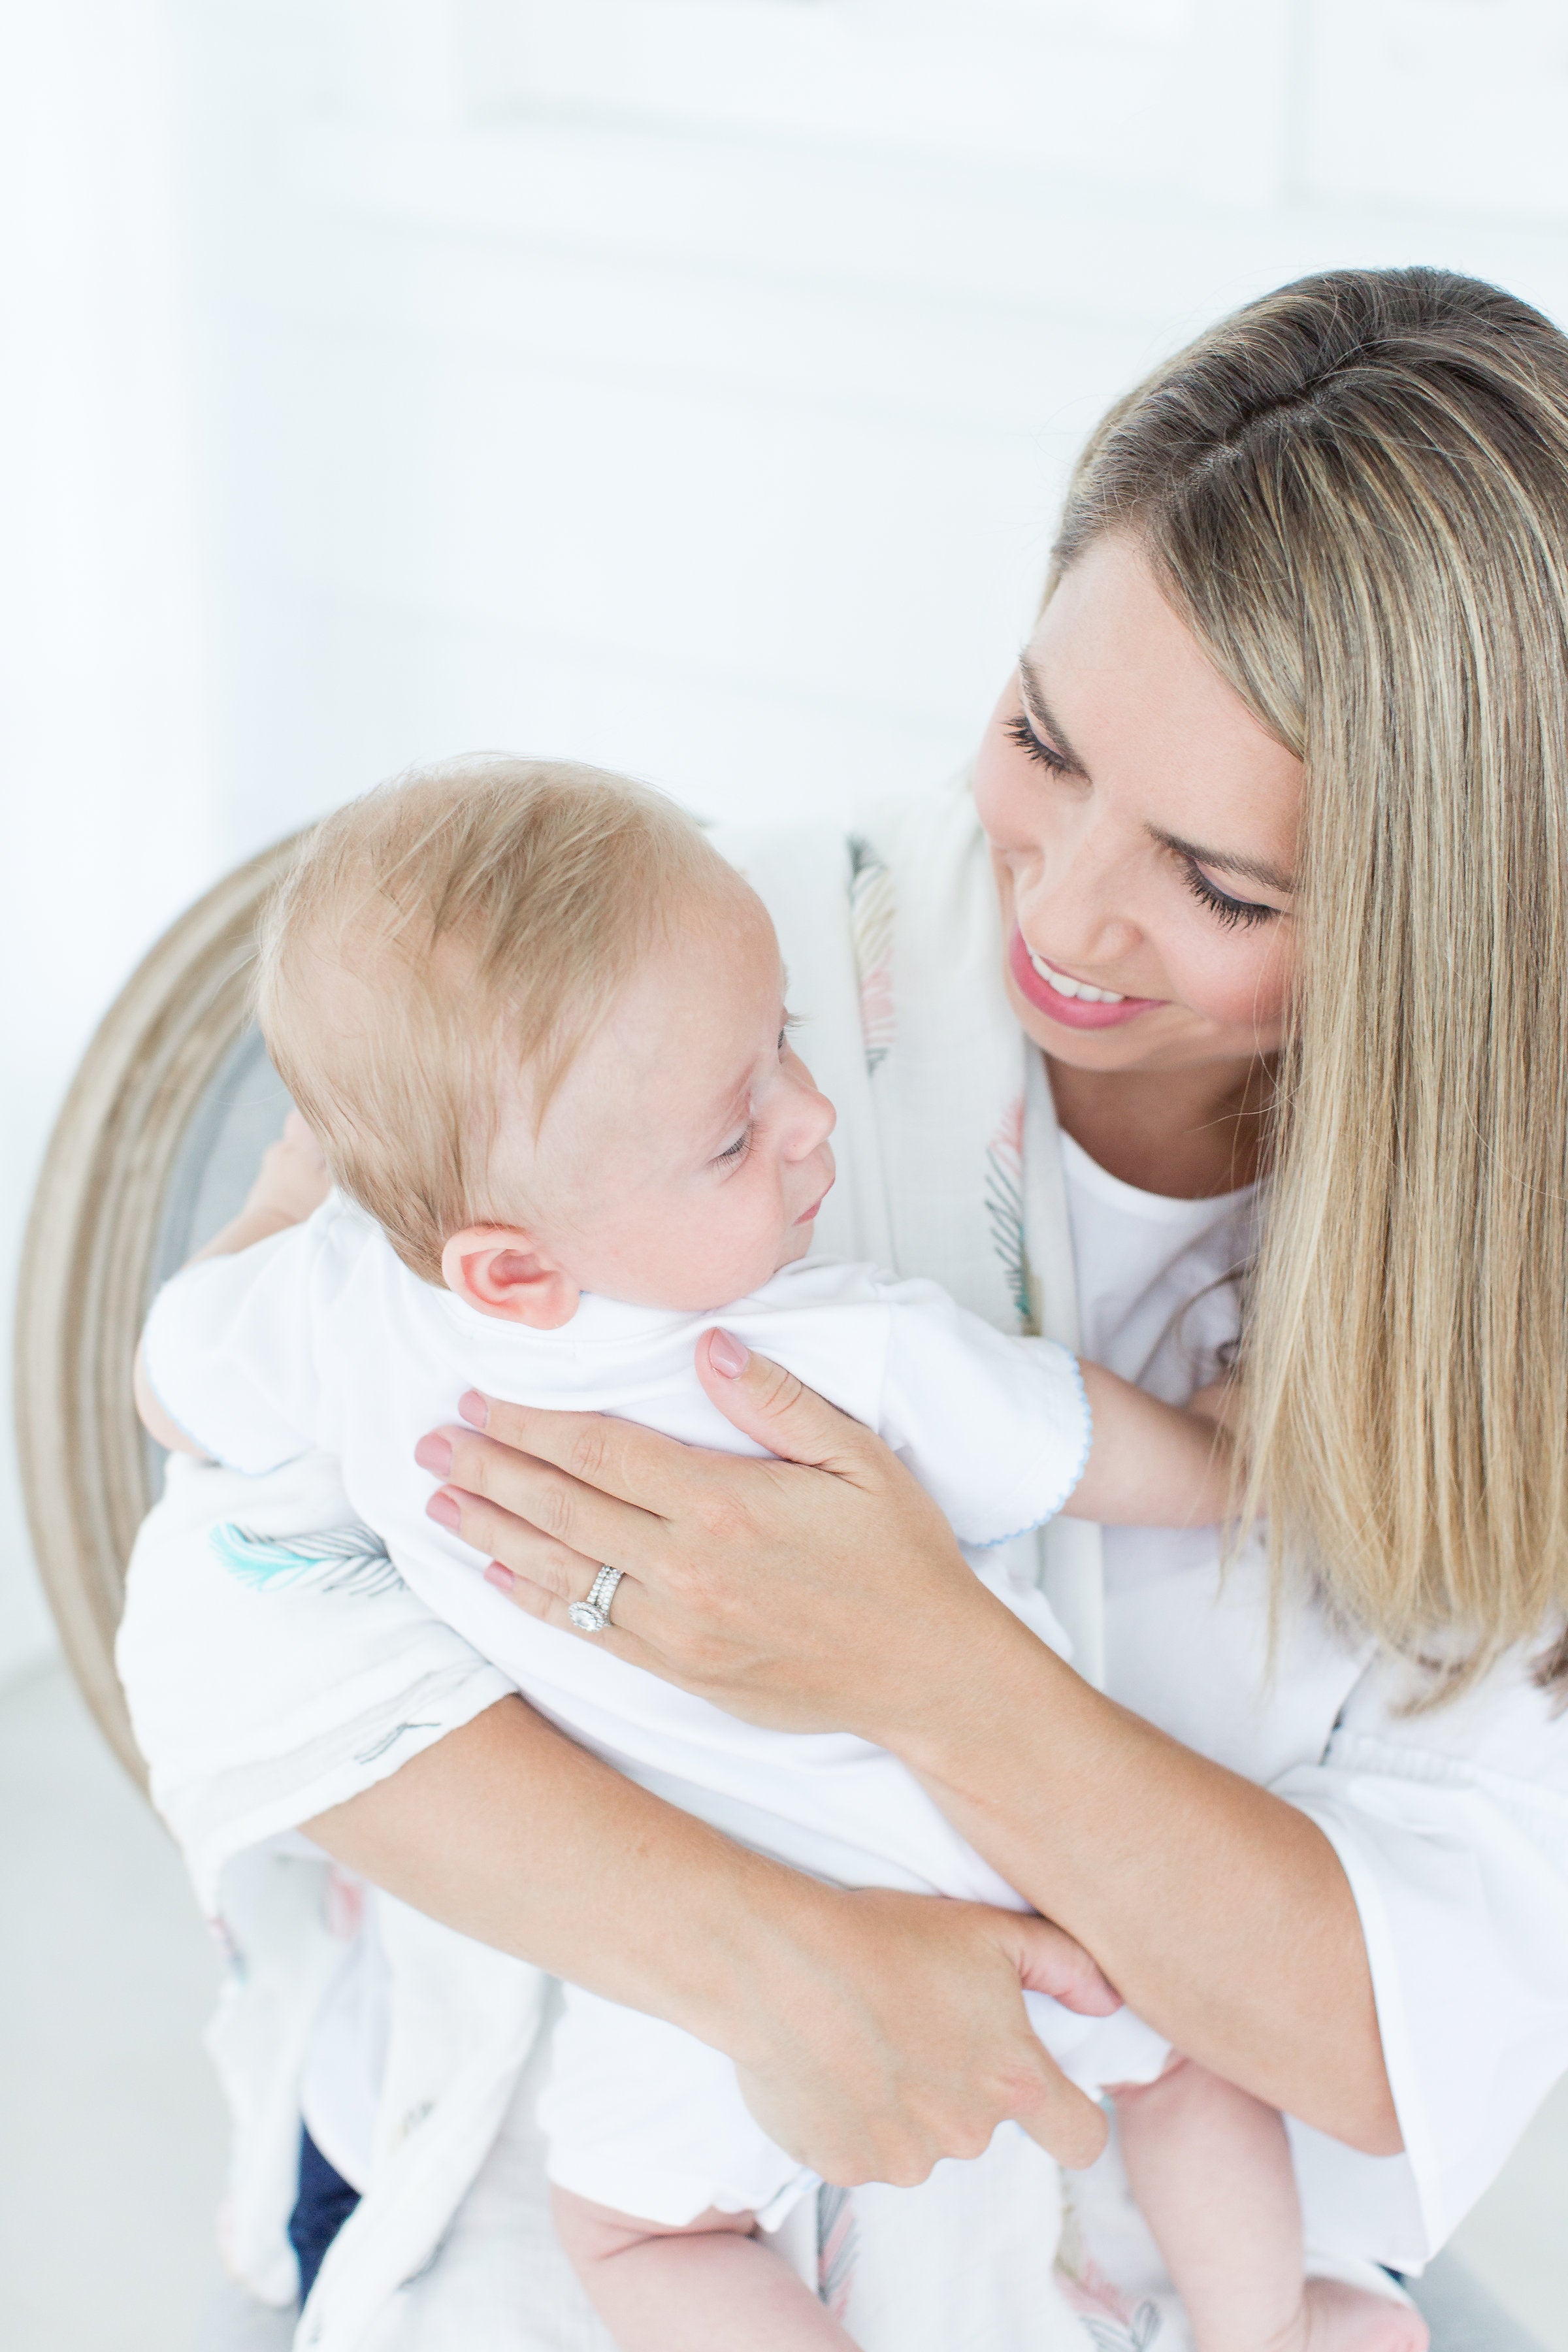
(1452, 1825)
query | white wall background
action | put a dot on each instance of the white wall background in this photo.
(685, 385)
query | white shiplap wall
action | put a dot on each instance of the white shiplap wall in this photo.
(687, 384)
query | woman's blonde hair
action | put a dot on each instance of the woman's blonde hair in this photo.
(1355, 492)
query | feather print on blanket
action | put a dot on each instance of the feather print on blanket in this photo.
(333, 1559)
(837, 2243)
(871, 924)
(1004, 1205)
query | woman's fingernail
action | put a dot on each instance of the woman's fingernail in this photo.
(501, 1578)
(434, 1454)
(475, 1409)
(726, 1354)
(444, 1509)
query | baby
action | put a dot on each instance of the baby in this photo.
(538, 1027)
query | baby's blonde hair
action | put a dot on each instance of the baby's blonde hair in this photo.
(433, 942)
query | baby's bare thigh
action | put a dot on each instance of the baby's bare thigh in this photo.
(592, 2233)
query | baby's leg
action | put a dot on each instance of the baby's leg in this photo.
(1210, 2167)
(712, 2286)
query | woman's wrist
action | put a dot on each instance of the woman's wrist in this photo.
(940, 1700)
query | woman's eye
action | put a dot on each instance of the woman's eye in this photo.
(1033, 747)
(1226, 909)
(733, 1151)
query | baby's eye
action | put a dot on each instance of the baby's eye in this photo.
(734, 1150)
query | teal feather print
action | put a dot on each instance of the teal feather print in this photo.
(330, 1560)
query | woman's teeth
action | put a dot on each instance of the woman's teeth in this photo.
(1066, 987)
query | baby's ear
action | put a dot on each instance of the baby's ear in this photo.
(503, 1271)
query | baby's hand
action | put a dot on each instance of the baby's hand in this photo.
(292, 1180)
(1153, 1464)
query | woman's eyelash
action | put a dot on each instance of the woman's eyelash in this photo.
(1033, 748)
(1226, 911)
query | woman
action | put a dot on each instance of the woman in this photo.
(1275, 809)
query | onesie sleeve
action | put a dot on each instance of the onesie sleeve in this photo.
(230, 1347)
(1452, 1827)
(996, 1428)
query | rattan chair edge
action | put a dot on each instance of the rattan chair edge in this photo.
(86, 1263)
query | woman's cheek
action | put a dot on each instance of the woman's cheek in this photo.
(1237, 983)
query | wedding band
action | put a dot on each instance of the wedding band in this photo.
(592, 1616)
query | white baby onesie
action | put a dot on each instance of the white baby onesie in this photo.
(322, 1337)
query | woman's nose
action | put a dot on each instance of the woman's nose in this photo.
(1070, 903)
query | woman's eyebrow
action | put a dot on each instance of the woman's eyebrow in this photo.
(1044, 717)
(1251, 869)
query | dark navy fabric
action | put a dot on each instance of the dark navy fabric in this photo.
(323, 2205)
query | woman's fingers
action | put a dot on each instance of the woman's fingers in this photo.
(780, 1411)
(619, 1458)
(627, 1610)
(1057, 2116)
(499, 1487)
(535, 1573)
(519, 1547)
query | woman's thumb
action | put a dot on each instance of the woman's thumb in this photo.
(771, 1405)
(1058, 2117)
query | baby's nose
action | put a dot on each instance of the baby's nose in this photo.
(818, 1119)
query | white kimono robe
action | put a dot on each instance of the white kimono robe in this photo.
(259, 1709)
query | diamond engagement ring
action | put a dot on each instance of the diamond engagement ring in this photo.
(592, 1616)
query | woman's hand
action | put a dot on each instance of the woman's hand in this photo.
(823, 1590)
(913, 2044)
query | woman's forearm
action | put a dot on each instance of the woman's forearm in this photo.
(1220, 1912)
(513, 1835)
(874, 2032)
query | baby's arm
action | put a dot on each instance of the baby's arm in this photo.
(291, 1182)
(1151, 1464)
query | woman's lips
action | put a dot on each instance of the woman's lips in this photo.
(1072, 1012)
